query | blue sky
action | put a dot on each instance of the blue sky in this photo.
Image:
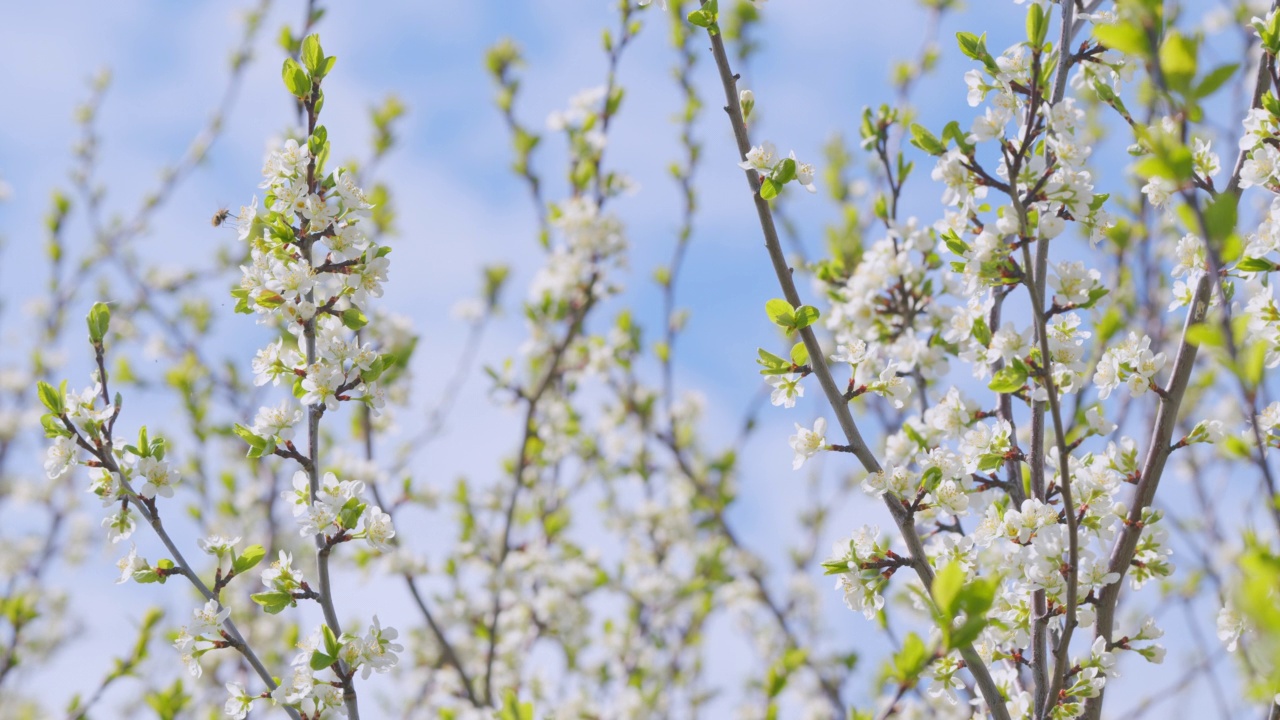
(823, 60)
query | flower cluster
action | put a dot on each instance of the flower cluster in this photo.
(312, 696)
(202, 635)
(1262, 159)
(337, 510)
(863, 565)
(311, 274)
(775, 171)
(1131, 363)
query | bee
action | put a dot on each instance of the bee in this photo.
(220, 216)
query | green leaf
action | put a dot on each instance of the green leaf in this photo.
(975, 47)
(769, 188)
(316, 143)
(953, 132)
(53, 427)
(981, 332)
(273, 602)
(1251, 264)
(915, 435)
(773, 365)
(1037, 26)
(1207, 334)
(925, 140)
(168, 703)
(781, 313)
(1109, 96)
(258, 446)
(320, 661)
(1220, 216)
(353, 319)
(295, 79)
(702, 18)
(1255, 362)
(1125, 37)
(331, 644)
(313, 55)
(1095, 295)
(974, 601)
(955, 244)
(968, 631)
(350, 514)
(1172, 160)
(1010, 379)
(799, 354)
(806, 316)
(946, 590)
(147, 576)
(1178, 60)
(1216, 78)
(52, 397)
(1110, 324)
(911, 660)
(785, 172)
(99, 321)
(251, 556)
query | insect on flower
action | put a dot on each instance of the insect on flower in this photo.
(220, 216)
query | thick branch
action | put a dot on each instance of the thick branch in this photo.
(1153, 467)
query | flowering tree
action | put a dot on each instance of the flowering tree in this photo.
(1020, 375)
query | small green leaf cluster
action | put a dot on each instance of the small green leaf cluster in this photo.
(707, 16)
(326, 656)
(960, 605)
(789, 317)
(792, 320)
(302, 79)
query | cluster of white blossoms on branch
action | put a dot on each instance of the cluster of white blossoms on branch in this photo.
(1132, 363)
(1262, 161)
(900, 315)
(375, 651)
(313, 272)
(311, 276)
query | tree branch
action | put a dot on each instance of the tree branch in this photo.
(995, 701)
